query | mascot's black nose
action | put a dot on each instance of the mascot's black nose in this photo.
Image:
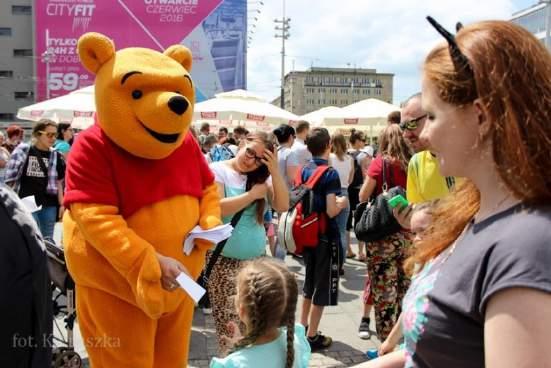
(178, 104)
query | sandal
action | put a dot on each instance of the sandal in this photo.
(351, 255)
(362, 258)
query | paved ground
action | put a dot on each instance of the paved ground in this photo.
(340, 322)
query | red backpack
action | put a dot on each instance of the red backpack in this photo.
(301, 226)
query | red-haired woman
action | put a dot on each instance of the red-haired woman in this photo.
(483, 293)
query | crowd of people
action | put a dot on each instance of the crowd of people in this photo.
(465, 282)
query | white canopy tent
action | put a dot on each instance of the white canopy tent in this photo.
(317, 116)
(241, 108)
(76, 108)
(369, 115)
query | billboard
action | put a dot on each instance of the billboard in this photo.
(214, 30)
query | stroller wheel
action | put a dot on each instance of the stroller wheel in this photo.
(67, 359)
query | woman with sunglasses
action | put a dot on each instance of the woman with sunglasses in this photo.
(249, 182)
(37, 170)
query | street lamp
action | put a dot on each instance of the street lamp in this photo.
(284, 35)
(47, 57)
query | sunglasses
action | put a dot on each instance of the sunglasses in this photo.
(250, 153)
(412, 124)
(49, 135)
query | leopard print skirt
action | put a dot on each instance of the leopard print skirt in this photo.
(222, 290)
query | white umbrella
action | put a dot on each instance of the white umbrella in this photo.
(77, 108)
(316, 117)
(369, 115)
(240, 107)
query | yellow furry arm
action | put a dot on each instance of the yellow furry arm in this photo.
(133, 257)
(210, 213)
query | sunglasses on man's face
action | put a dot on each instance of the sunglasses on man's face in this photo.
(49, 135)
(412, 124)
(250, 153)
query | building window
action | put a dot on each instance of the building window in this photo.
(6, 73)
(22, 52)
(7, 116)
(5, 31)
(23, 95)
(21, 9)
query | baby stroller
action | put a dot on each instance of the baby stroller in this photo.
(63, 298)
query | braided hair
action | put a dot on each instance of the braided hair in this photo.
(268, 293)
(288, 318)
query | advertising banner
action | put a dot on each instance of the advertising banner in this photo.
(214, 30)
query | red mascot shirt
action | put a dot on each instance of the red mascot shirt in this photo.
(100, 172)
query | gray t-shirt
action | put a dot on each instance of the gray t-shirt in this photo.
(299, 155)
(283, 161)
(444, 309)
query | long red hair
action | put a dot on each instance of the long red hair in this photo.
(512, 79)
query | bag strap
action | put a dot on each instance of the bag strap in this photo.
(385, 183)
(219, 247)
(226, 148)
(298, 177)
(316, 176)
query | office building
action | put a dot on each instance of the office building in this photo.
(306, 91)
(536, 20)
(17, 58)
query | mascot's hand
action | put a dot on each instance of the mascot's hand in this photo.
(133, 257)
(170, 269)
(210, 214)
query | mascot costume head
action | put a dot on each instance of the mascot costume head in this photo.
(136, 184)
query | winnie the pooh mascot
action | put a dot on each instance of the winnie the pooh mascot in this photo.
(136, 184)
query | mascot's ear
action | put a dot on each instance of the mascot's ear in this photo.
(181, 54)
(94, 49)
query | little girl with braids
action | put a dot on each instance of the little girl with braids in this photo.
(266, 301)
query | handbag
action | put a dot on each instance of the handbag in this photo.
(374, 219)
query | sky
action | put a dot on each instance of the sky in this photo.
(391, 36)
